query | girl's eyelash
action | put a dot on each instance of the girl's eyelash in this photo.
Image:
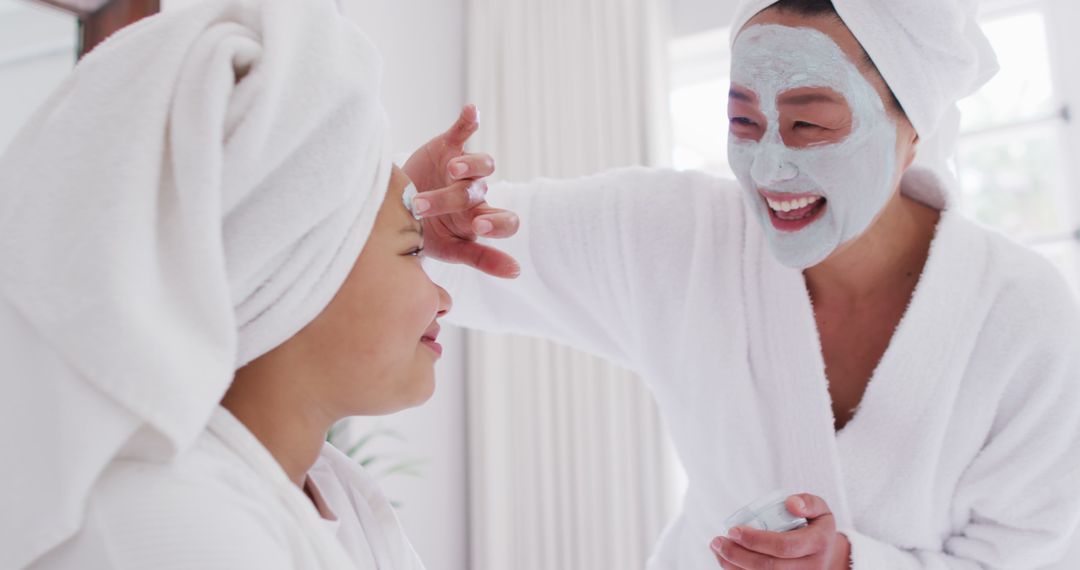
(417, 252)
(743, 121)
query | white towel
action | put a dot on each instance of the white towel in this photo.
(932, 53)
(191, 197)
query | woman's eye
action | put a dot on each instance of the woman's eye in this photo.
(743, 122)
(416, 252)
(805, 125)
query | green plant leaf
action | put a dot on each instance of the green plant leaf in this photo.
(408, 467)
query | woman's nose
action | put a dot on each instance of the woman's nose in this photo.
(771, 166)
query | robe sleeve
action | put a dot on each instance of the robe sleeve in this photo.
(601, 257)
(1020, 497)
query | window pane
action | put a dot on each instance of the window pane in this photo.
(700, 125)
(1066, 255)
(1013, 180)
(1023, 89)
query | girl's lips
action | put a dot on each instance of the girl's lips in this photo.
(433, 345)
(430, 339)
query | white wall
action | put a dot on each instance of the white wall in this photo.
(37, 49)
(690, 17)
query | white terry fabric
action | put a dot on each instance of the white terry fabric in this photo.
(965, 451)
(366, 523)
(192, 196)
(227, 504)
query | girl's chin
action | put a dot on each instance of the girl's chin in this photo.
(425, 389)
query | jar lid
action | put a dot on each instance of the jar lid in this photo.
(769, 512)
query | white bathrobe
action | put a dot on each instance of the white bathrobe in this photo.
(226, 504)
(965, 451)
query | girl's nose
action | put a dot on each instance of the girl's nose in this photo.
(445, 302)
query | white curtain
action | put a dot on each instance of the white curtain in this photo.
(569, 465)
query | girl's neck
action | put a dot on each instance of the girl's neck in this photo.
(285, 419)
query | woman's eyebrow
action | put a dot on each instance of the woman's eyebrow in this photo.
(807, 98)
(740, 96)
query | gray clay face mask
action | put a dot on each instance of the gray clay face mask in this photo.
(838, 187)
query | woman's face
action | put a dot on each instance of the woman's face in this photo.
(373, 349)
(815, 139)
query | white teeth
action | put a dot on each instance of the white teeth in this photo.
(789, 205)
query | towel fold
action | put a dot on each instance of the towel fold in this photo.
(192, 196)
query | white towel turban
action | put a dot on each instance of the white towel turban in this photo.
(931, 53)
(191, 197)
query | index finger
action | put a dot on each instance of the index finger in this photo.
(458, 197)
(467, 124)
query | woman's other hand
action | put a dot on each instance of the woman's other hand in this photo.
(815, 547)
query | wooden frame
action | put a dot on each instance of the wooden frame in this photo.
(98, 19)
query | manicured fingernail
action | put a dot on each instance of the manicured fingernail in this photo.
(483, 227)
(477, 190)
(734, 534)
(420, 205)
(716, 545)
(800, 504)
(459, 168)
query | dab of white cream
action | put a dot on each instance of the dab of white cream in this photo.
(407, 197)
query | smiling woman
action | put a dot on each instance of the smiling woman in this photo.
(831, 323)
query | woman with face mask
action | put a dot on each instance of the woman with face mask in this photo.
(830, 324)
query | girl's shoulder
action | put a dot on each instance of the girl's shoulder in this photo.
(200, 510)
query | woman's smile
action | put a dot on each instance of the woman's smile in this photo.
(793, 212)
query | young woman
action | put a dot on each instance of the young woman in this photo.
(208, 259)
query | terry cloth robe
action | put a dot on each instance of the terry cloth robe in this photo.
(965, 451)
(226, 504)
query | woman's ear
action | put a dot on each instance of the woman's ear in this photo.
(911, 149)
(912, 152)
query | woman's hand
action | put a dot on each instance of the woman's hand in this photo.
(815, 547)
(452, 201)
